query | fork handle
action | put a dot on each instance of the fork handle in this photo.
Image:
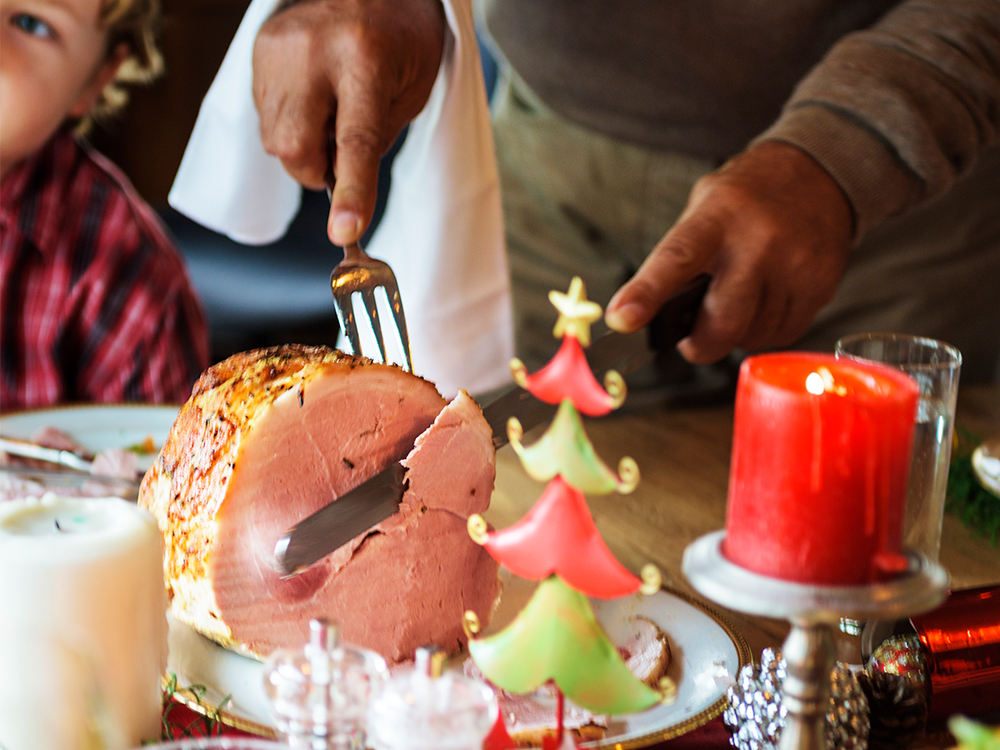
(354, 252)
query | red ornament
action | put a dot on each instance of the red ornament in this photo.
(961, 639)
(558, 536)
(568, 375)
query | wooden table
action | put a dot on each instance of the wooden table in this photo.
(683, 456)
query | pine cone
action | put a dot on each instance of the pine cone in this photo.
(898, 708)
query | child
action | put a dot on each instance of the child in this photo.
(95, 302)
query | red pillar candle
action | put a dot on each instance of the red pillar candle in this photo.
(821, 453)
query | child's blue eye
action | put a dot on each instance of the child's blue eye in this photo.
(32, 25)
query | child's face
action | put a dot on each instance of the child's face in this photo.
(53, 65)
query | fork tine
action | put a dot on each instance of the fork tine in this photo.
(357, 272)
(368, 297)
(396, 305)
(348, 323)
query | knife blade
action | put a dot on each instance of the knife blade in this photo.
(27, 449)
(377, 498)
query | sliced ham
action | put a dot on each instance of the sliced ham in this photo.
(116, 462)
(53, 437)
(646, 651)
(267, 438)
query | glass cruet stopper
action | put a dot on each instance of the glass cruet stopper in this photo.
(319, 694)
(426, 707)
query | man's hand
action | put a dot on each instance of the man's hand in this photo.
(773, 229)
(335, 82)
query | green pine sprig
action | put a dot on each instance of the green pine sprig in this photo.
(209, 724)
(973, 504)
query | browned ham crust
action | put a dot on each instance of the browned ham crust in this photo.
(270, 436)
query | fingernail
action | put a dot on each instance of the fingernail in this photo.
(625, 318)
(345, 227)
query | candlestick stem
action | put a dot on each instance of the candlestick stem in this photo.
(809, 658)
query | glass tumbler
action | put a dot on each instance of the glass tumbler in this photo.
(935, 366)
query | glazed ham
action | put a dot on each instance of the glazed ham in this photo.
(267, 438)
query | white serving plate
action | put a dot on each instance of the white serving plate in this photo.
(97, 427)
(707, 655)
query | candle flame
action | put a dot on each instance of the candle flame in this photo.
(821, 381)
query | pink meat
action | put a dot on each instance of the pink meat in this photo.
(53, 437)
(328, 422)
(116, 462)
(646, 651)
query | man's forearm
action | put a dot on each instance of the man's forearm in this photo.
(897, 112)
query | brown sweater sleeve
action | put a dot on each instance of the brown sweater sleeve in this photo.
(897, 112)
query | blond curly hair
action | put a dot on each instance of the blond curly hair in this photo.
(133, 23)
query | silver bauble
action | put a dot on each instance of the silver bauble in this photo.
(756, 716)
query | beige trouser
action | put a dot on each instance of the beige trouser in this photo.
(579, 203)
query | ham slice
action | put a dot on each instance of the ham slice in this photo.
(270, 436)
(646, 651)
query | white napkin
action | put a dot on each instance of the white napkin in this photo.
(442, 230)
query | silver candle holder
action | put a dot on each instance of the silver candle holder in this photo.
(812, 611)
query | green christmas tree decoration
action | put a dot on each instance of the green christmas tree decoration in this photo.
(557, 637)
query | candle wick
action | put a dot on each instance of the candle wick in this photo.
(58, 527)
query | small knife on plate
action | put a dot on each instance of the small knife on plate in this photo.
(27, 449)
(377, 498)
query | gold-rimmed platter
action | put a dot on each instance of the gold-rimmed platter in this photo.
(707, 655)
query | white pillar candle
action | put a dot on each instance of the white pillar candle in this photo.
(83, 629)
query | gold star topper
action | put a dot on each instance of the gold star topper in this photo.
(576, 312)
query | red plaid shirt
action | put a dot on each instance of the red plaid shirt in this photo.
(95, 301)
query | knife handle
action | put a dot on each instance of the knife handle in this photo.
(676, 318)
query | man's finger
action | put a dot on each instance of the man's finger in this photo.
(768, 320)
(726, 315)
(360, 142)
(680, 256)
(297, 134)
(293, 115)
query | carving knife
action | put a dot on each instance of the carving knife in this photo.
(378, 497)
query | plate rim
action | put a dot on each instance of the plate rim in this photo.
(190, 699)
(744, 656)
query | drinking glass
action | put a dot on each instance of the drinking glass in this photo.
(935, 366)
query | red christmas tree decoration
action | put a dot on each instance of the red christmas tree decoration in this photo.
(558, 536)
(567, 375)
